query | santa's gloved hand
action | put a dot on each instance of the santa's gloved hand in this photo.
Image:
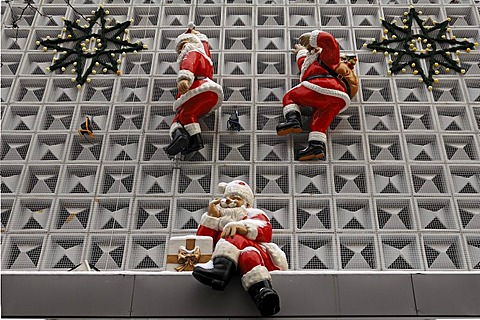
(234, 228)
(212, 208)
(183, 86)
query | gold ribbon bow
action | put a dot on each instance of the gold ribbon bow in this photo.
(187, 259)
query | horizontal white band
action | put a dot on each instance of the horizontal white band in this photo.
(289, 108)
(317, 136)
(193, 128)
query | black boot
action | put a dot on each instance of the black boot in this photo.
(195, 144)
(217, 277)
(315, 150)
(292, 125)
(265, 298)
(180, 140)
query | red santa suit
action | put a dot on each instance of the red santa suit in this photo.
(325, 95)
(254, 254)
(204, 95)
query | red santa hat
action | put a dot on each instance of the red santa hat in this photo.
(188, 35)
(237, 188)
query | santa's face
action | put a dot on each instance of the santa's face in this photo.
(186, 46)
(232, 208)
(232, 201)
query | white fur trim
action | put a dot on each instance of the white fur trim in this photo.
(311, 58)
(210, 85)
(278, 257)
(174, 127)
(210, 222)
(301, 53)
(290, 107)
(185, 36)
(317, 136)
(328, 92)
(186, 75)
(239, 188)
(193, 128)
(202, 37)
(314, 37)
(227, 250)
(252, 227)
(257, 274)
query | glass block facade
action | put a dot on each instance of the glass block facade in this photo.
(400, 189)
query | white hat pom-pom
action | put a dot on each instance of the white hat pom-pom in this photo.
(191, 25)
(221, 187)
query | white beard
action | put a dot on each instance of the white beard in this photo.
(231, 215)
(189, 46)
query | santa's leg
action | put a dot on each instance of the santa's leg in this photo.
(180, 139)
(218, 272)
(291, 112)
(256, 280)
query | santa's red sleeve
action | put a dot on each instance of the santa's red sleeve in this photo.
(301, 55)
(330, 49)
(209, 226)
(205, 43)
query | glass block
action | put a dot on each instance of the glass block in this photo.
(164, 90)
(271, 64)
(347, 147)
(410, 91)
(270, 16)
(371, 64)
(348, 120)
(22, 252)
(129, 118)
(466, 179)
(106, 252)
(194, 180)
(334, 16)
(122, 147)
(273, 180)
(428, 179)
(270, 90)
(145, 35)
(343, 37)
(10, 64)
(473, 89)
(5, 88)
(147, 252)
(294, 34)
(167, 64)
(86, 149)
(175, 16)
(271, 148)
(99, 117)
(41, 179)
(188, 212)
(72, 214)
(350, 179)
(270, 39)
(237, 90)
(353, 214)
(110, 214)
(317, 252)
(151, 214)
(167, 38)
(21, 118)
(476, 112)
(311, 179)
(63, 252)
(469, 211)
(153, 150)
(453, 119)
(473, 247)
(57, 118)
(138, 64)
(99, 90)
(208, 16)
(30, 90)
(6, 212)
(436, 214)
(237, 64)
(363, 36)
(238, 16)
(160, 118)
(32, 214)
(416, 117)
(79, 180)
(462, 16)
(460, 148)
(155, 180)
(238, 39)
(447, 91)
(380, 118)
(423, 148)
(227, 173)
(268, 117)
(14, 147)
(24, 16)
(278, 211)
(51, 16)
(49, 147)
(230, 113)
(14, 39)
(401, 252)
(10, 178)
(365, 17)
(61, 90)
(376, 90)
(214, 39)
(395, 214)
(313, 215)
(469, 62)
(145, 16)
(390, 179)
(358, 253)
(117, 180)
(133, 90)
(301, 16)
(443, 252)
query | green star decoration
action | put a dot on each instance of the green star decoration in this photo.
(433, 44)
(91, 48)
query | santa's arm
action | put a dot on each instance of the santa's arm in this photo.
(209, 226)
(257, 225)
(187, 68)
(301, 55)
(330, 49)
(206, 46)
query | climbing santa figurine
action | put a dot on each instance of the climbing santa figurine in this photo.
(327, 85)
(242, 239)
(197, 94)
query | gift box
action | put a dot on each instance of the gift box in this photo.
(184, 252)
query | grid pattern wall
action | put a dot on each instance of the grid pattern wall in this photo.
(400, 189)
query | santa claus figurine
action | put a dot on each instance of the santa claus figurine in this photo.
(197, 94)
(317, 53)
(242, 239)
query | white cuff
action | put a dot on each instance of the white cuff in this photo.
(202, 37)
(186, 75)
(301, 53)
(257, 274)
(313, 38)
(290, 107)
(317, 136)
(173, 127)
(210, 222)
(227, 250)
(193, 128)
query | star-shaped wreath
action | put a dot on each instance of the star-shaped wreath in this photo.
(90, 48)
(431, 44)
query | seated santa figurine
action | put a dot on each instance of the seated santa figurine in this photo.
(242, 239)
(197, 95)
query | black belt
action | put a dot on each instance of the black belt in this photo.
(200, 78)
(319, 76)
